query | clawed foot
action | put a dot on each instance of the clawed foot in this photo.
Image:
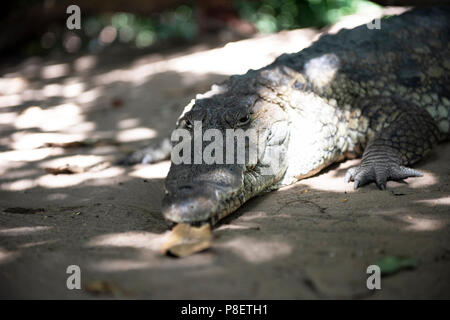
(379, 173)
(154, 153)
(132, 158)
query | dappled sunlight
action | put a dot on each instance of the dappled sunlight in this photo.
(135, 134)
(85, 63)
(7, 256)
(158, 170)
(238, 57)
(118, 265)
(13, 85)
(30, 155)
(68, 91)
(250, 250)
(84, 129)
(256, 250)
(81, 161)
(234, 58)
(333, 180)
(128, 123)
(19, 185)
(55, 71)
(130, 239)
(89, 96)
(423, 224)
(231, 226)
(52, 90)
(55, 118)
(10, 100)
(36, 244)
(20, 231)
(57, 196)
(413, 219)
(322, 69)
(28, 141)
(249, 216)
(428, 179)
(327, 180)
(444, 201)
(84, 167)
(51, 181)
(151, 260)
(7, 117)
(148, 253)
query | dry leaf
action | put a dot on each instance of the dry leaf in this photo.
(66, 145)
(116, 102)
(185, 240)
(64, 170)
(82, 144)
(101, 287)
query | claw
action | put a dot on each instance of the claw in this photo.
(365, 174)
(402, 172)
(348, 176)
(381, 179)
(147, 159)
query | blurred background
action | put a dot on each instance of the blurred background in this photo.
(37, 27)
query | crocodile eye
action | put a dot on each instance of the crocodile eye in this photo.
(188, 123)
(244, 120)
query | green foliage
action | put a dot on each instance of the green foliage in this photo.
(144, 31)
(106, 29)
(275, 15)
(390, 265)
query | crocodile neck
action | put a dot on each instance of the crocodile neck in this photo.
(320, 134)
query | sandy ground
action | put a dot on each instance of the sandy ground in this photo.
(314, 239)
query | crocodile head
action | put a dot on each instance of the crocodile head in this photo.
(227, 147)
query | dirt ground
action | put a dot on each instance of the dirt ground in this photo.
(314, 239)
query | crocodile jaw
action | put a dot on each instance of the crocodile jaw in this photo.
(207, 193)
(210, 201)
(204, 193)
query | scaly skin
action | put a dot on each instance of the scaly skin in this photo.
(383, 94)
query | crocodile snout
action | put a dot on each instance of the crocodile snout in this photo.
(189, 203)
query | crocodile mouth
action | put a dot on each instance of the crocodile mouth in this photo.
(201, 203)
(227, 206)
(210, 193)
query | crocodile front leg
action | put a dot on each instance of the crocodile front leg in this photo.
(155, 152)
(406, 135)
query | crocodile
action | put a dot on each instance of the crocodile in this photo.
(383, 94)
